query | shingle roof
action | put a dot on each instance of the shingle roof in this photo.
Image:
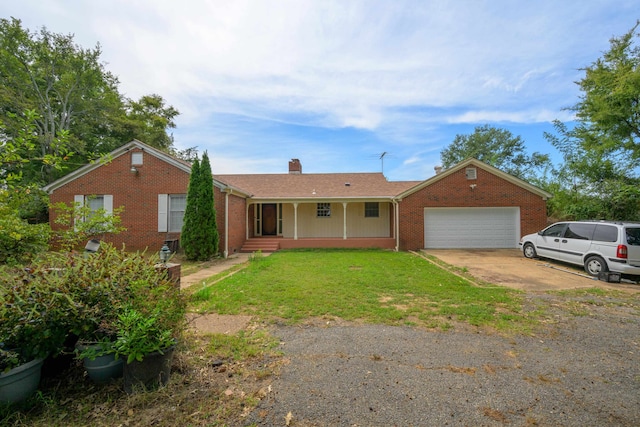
(316, 185)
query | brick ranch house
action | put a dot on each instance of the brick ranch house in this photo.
(470, 205)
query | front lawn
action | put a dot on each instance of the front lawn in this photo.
(371, 286)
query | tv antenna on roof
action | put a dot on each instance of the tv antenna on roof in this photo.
(384, 153)
(381, 156)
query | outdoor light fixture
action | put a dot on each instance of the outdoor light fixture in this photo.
(134, 170)
(165, 253)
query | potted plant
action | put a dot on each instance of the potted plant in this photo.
(34, 310)
(101, 290)
(98, 306)
(18, 379)
(100, 360)
(147, 332)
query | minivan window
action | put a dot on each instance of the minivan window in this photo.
(605, 233)
(633, 236)
(580, 231)
(555, 230)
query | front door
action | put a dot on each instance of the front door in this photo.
(269, 219)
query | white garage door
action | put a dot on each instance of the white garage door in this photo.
(471, 227)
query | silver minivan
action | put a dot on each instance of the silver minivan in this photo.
(600, 246)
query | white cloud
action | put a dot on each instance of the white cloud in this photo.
(400, 70)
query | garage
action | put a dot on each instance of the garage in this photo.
(490, 227)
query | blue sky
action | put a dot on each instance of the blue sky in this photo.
(337, 83)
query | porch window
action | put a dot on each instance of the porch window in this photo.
(371, 209)
(323, 210)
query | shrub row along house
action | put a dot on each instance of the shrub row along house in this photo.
(470, 205)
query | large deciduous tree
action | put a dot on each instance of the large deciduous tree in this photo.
(148, 120)
(498, 148)
(599, 178)
(65, 84)
(71, 91)
(609, 109)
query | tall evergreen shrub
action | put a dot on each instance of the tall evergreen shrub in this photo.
(207, 211)
(189, 237)
(200, 231)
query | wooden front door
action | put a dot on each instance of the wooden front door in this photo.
(269, 219)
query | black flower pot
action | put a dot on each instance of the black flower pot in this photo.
(151, 373)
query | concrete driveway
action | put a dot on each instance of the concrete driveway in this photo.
(508, 267)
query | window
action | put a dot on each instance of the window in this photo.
(371, 209)
(555, 230)
(580, 231)
(171, 209)
(323, 210)
(95, 203)
(177, 206)
(136, 158)
(605, 233)
(633, 236)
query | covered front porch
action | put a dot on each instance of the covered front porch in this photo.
(289, 224)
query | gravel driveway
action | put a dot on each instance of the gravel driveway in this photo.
(582, 367)
(582, 370)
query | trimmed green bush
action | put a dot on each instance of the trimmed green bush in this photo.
(82, 295)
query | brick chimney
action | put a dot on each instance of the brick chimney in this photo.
(295, 166)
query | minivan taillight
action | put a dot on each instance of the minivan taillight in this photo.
(621, 252)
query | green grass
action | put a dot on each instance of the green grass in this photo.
(372, 286)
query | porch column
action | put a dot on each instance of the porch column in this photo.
(344, 225)
(295, 221)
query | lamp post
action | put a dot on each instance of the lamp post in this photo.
(165, 254)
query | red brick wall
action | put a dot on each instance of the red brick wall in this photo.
(454, 191)
(237, 214)
(139, 196)
(218, 203)
(237, 223)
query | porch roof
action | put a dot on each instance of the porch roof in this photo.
(317, 185)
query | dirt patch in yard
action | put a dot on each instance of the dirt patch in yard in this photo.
(212, 323)
(508, 267)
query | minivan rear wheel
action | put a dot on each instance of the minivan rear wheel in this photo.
(529, 251)
(594, 265)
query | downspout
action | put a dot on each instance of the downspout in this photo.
(396, 223)
(226, 223)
